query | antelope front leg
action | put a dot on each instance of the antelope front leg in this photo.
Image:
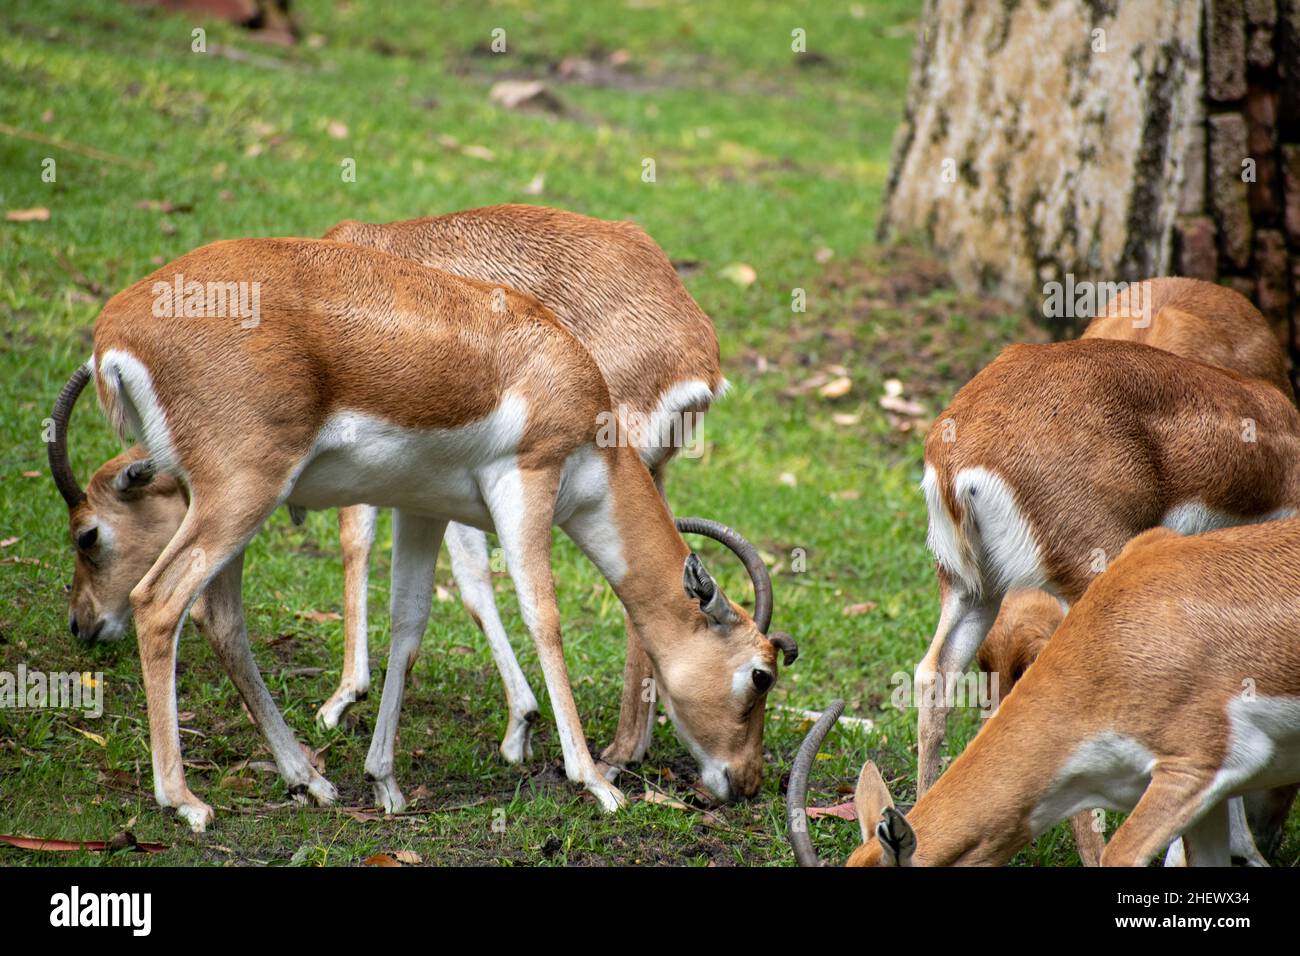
(225, 631)
(1169, 807)
(473, 572)
(522, 505)
(964, 622)
(356, 537)
(205, 541)
(415, 553)
(636, 709)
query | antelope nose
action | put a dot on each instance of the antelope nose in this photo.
(72, 624)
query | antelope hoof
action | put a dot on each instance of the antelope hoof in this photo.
(332, 711)
(517, 746)
(196, 813)
(388, 795)
(609, 797)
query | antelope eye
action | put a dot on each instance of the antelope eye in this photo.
(86, 539)
(762, 679)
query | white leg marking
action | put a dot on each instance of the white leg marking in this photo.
(472, 570)
(415, 553)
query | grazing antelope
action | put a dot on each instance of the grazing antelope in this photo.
(1172, 685)
(611, 286)
(1197, 320)
(369, 378)
(1051, 458)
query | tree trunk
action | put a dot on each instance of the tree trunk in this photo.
(1106, 141)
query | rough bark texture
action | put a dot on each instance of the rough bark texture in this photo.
(1106, 140)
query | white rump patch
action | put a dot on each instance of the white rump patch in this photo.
(994, 550)
(670, 426)
(134, 409)
(1193, 517)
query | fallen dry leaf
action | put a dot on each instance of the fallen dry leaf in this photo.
(121, 841)
(408, 857)
(526, 95)
(337, 130)
(380, 859)
(836, 387)
(535, 186)
(853, 610)
(31, 474)
(902, 406)
(90, 735)
(663, 800)
(741, 273)
(844, 811)
(39, 214)
(845, 419)
(320, 616)
(8, 541)
(480, 152)
(848, 494)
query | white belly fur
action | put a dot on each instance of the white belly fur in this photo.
(440, 473)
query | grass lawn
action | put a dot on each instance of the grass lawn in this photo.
(762, 157)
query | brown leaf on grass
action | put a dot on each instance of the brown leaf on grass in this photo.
(121, 841)
(902, 406)
(8, 541)
(363, 816)
(31, 474)
(38, 214)
(164, 205)
(663, 800)
(320, 616)
(408, 857)
(844, 811)
(525, 95)
(854, 610)
(836, 387)
(185, 716)
(380, 859)
(239, 784)
(741, 273)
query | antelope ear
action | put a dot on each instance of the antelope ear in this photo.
(897, 838)
(700, 586)
(133, 477)
(870, 799)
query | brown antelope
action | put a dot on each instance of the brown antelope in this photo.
(1197, 320)
(611, 286)
(369, 378)
(1050, 459)
(1172, 685)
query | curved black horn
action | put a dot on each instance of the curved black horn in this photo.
(60, 467)
(796, 794)
(748, 555)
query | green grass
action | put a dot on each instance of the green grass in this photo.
(761, 158)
